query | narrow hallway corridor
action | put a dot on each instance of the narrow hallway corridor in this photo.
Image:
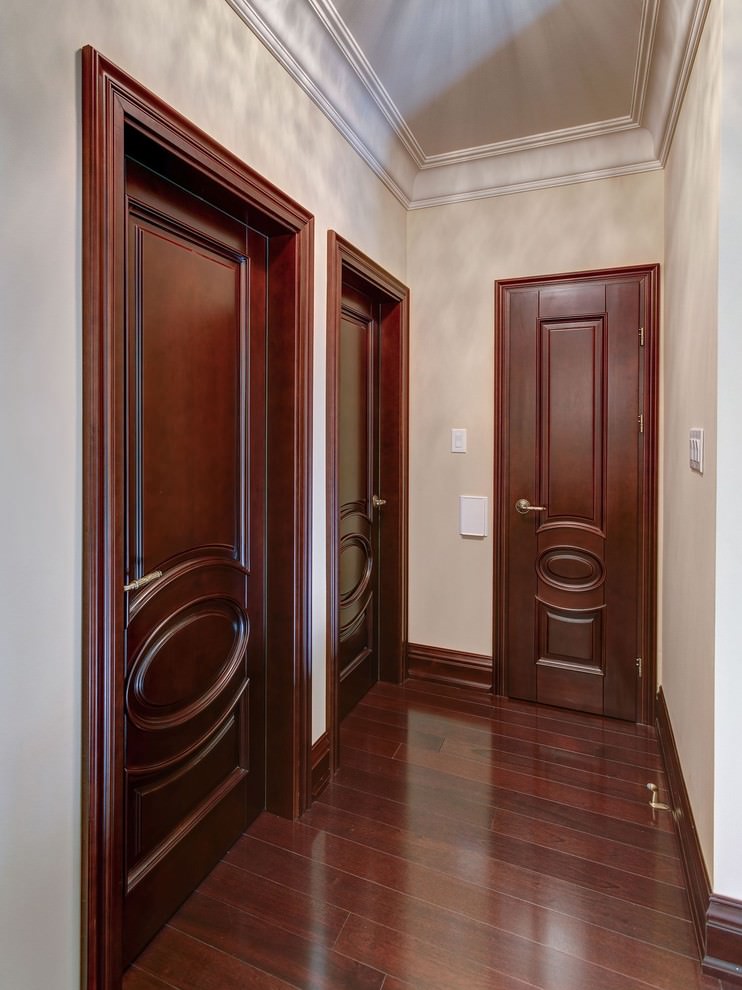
(466, 842)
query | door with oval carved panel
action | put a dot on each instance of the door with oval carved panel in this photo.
(358, 473)
(576, 497)
(194, 480)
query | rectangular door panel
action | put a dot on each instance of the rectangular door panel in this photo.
(570, 639)
(571, 400)
(189, 344)
(569, 299)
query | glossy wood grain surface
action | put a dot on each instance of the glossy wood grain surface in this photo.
(367, 386)
(451, 852)
(120, 118)
(575, 408)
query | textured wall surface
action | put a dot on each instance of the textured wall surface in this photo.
(455, 254)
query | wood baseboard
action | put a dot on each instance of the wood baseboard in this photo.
(320, 764)
(694, 867)
(723, 957)
(431, 663)
(717, 921)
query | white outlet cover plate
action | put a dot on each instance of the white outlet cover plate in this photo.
(473, 515)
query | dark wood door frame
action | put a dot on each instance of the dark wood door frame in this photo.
(346, 262)
(649, 392)
(121, 117)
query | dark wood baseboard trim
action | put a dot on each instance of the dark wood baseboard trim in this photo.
(320, 764)
(723, 957)
(431, 663)
(696, 875)
(717, 921)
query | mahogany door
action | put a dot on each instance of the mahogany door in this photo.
(194, 687)
(574, 524)
(357, 480)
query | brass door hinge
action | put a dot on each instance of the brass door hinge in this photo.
(641, 336)
(639, 666)
(641, 422)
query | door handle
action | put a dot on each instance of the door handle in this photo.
(524, 507)
(377, 502)
(140, 582)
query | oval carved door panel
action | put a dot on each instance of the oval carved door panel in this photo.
(162, 691)
(570, 569)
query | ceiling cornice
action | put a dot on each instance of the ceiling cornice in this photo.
(692, 41)
(565, 134)
(357, 60)
(249, 12)
(647, 34)
(337, 29)
(517, 187)
(314, 45)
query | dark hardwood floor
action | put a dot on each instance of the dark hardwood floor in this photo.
(467, 842)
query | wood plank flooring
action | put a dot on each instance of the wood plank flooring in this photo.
(467, 842)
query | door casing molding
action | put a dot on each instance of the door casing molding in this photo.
(647, 690)
(343, 261)
(119, 114)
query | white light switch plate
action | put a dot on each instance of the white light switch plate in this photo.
(458, 441)
(696, 449)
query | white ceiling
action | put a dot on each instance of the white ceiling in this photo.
(450, 100)
(461, 74)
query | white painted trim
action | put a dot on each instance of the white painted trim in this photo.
(246, 11)
(597, 129)
(351, 50)
(356, 58)
(692, 41)
(647, 34)
(362, 110)
(517, 187)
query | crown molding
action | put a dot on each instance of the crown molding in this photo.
(692, 41)
(597, 129)
(283, 43)
(356, 58)
(647, 35)
(354, 55)
(508, 189)
(311, 41)
(580, 160)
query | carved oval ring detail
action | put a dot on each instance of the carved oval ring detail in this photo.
(570, 569)
(355, 541)
(217, 631)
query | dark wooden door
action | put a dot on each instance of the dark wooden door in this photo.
(194, 475)
(573, 499)
(358, 473)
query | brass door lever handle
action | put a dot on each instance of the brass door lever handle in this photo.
(524, 506)
(377, 502)
(140, 582)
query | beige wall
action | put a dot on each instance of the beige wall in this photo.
(199, 57)
(689, 499)
(455, 254)
(728, 655)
